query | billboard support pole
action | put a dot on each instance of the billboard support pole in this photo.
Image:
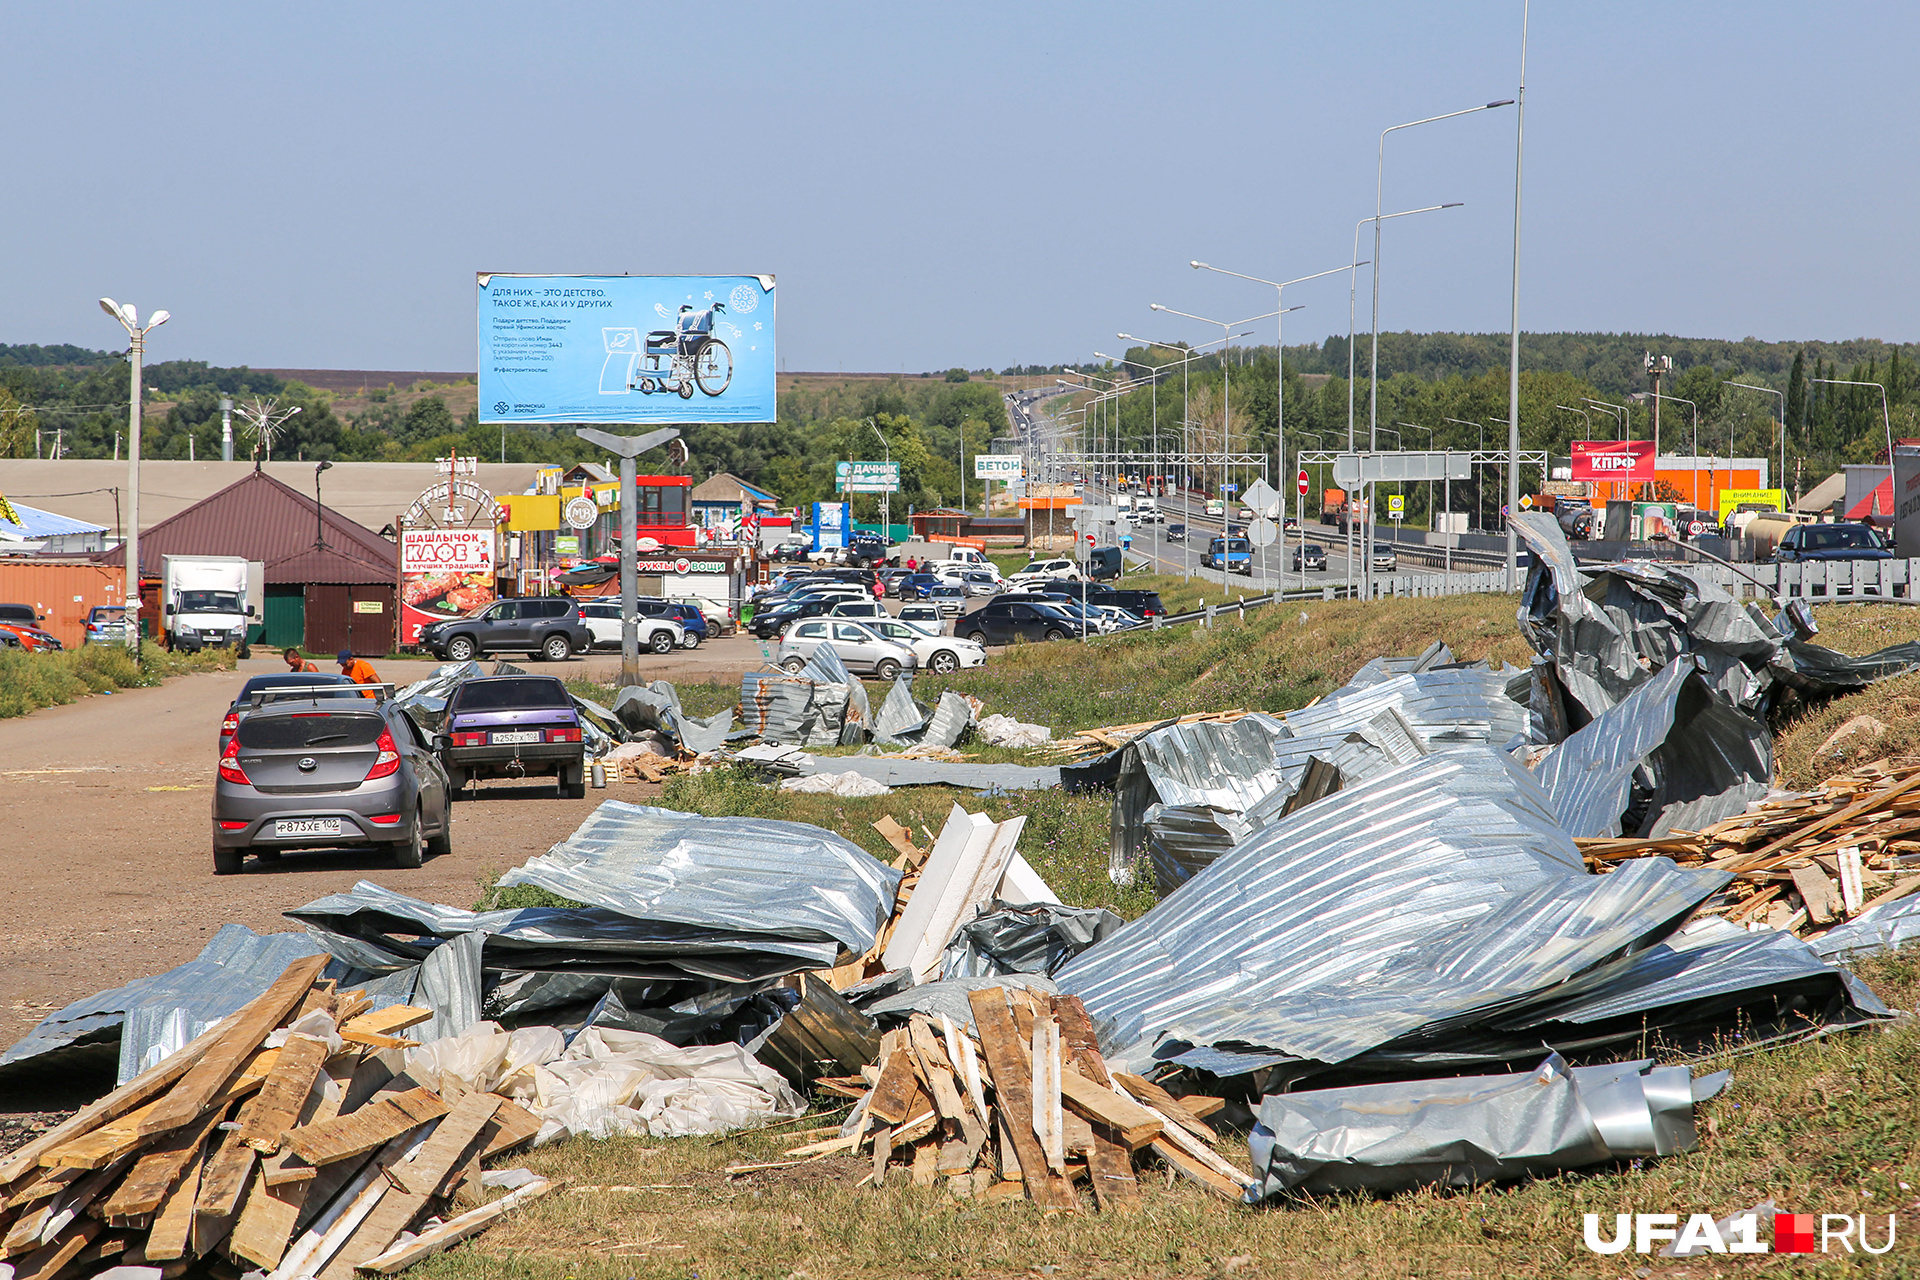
(628, 447)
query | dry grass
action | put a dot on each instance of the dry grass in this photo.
(1831, 1126)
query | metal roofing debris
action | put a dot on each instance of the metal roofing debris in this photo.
(946, 997)
(1412, 918)
(905, 722)
(1456, 1132)
(1883, 928)
(897, 771)
(750, 875)
(794, 709)
(656, 706)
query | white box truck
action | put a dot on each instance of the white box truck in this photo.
(208, 600)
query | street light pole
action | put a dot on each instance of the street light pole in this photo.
(886, 495)
(1886, 414)
(319, 527)
(1781, 396)
(1695, 419)
(1379, 189)
(129, 319)
(1513, 347)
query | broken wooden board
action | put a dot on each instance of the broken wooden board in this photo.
(277, 1106)
(134, 1202)
(1132, 1124)
(1007, 1063)
(454, 1230)
(198, 1088)
(379, 1122)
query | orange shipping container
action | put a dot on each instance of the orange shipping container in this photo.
(64, 590)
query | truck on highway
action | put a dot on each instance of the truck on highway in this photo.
(1340, 511)
(206, 601)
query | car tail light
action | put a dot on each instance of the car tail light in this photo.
(388, 761)
(385, 819)
(563, 735)
(230, 770)
(228, 725)
(469, 739)
(233, 826)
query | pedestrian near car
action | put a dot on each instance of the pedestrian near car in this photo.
(358, 670)
(912, 564)
(296, 663)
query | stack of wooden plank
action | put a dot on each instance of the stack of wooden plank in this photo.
(1022, 1105)
(650, 768)
(1803, 863)
(300, 1159)
(1087, 743)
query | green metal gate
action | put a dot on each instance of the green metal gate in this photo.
(286, 617)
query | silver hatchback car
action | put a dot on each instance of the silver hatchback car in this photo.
(329, 772)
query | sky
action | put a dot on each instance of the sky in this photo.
(979, 185)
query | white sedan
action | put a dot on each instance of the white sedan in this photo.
(939, 654)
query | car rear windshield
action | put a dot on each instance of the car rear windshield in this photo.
(299, 730)
(510, 694)
(1840, 537)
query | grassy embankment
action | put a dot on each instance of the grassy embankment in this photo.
(30, 681)
(1828, 1126)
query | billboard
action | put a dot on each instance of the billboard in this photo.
(998, 466)
(1613, 460)
(867, 477)
(444, 573)
(626, 349)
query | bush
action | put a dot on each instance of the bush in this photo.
(30, 681)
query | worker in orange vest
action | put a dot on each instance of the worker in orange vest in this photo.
(358, 670)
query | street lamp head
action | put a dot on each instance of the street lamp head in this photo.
(1504, 102)
(157, 319)
(1197, 265)
(324, 466)
(1156, 306)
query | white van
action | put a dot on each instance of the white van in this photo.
(969, 556)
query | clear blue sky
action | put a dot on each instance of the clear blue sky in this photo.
(982, 184)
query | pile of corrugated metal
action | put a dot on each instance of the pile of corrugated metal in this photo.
(284, 1137)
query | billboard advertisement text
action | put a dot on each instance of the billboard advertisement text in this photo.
(626, 349)
(444, 573)
(1613, 459)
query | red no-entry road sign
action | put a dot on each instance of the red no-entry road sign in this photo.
(1300, 482)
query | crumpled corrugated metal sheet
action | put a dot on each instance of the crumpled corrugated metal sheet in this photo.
(426, 700)
(903, 721)
(1333, 889)
(173, 1007)
(752, 875)
(1434, 655)
(656, 706)
(1590, 775)
(893, 771)
(824, 667)
(1457, 1132)
(1889, 925)
(375, 928)
(793, 709)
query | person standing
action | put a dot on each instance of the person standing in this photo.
(296, 663)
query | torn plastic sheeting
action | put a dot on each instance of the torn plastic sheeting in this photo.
(1332, 890)
(609, 1082)
(850, 785)
(1458, 1132)
(656, 705)
(1005, 731)
(1024, 939)
(1889, 925)
(750, 875)
(376, 928)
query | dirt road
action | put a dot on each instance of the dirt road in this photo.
(106, 871)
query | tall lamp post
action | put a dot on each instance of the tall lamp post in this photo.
(129, 319)
(1781, 396)
(1478, 448)
(1353, 293)
(1379, 189)
(886, 495)
(1886, 414)
(1694, 411)
(1226, 401)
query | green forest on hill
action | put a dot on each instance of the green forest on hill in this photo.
(1450, 387)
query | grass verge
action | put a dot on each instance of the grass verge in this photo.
(1827, 1126)
(30, 681)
